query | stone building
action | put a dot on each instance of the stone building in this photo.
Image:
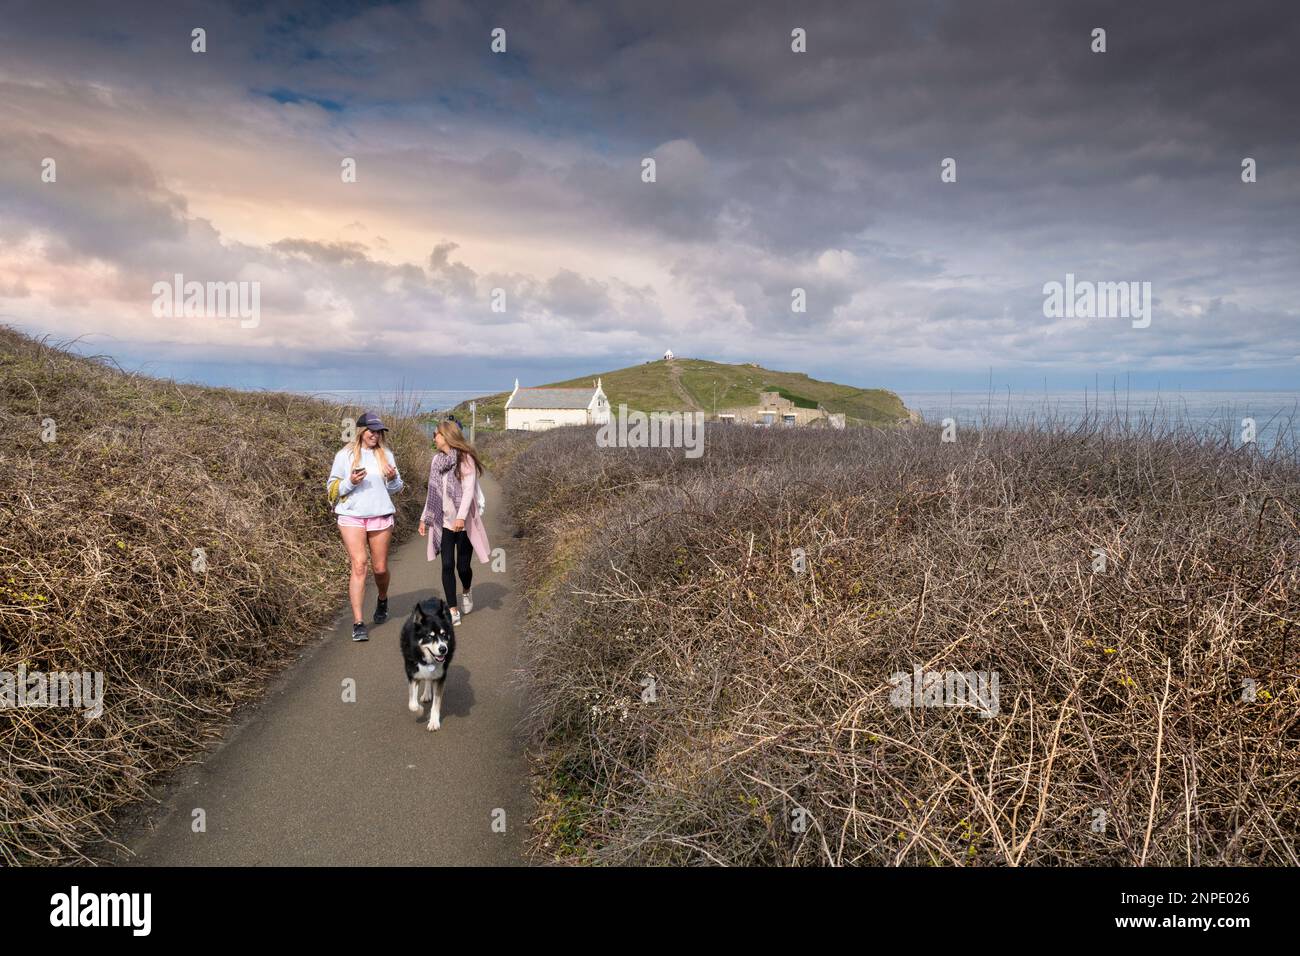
(772, 410)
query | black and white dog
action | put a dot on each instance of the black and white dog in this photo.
(428, 642)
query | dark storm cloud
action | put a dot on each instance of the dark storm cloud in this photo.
(775, 170)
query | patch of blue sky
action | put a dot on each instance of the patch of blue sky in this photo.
(283, 95)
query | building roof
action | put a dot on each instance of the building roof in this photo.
(552, 397)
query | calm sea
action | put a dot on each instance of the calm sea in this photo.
(1276, 413)
(422, 400)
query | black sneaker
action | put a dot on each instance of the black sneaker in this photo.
(381, 611)
(359, 632)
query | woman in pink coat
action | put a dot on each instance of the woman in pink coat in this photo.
(451, 519)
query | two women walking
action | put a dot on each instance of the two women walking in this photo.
(363, 477)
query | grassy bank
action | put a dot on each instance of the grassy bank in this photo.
(700, 698)
(700, 385)
(101, 529)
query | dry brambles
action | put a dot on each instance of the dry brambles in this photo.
(697, 700)
(97, 536)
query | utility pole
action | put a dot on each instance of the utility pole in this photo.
(473, 409)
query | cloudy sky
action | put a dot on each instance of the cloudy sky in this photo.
(522, 171)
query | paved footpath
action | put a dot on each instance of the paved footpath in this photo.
(307, 779)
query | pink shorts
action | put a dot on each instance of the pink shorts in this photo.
(370, 524)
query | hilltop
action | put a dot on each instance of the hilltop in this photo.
(686, 384)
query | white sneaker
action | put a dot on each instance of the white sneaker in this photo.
(466, 603)
(455, 617)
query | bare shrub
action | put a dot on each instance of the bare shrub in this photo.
(98, 531)
(695, 699)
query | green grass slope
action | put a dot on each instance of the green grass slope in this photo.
(686, 384)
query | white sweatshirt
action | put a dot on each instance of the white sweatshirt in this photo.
(370, 498)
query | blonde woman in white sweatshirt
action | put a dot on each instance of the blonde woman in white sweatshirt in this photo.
(366, 474)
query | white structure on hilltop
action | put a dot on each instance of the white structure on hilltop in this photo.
(668, 356)
(537, 409)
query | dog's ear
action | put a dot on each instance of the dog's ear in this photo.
(419, 612)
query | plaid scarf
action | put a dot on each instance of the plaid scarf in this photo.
(441, 466)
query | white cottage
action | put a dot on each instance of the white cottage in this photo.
(537, 409)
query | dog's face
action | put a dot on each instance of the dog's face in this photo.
(432, 636)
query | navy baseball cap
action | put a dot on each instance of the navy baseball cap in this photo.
(372, 421)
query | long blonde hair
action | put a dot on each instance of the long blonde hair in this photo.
(454, 438)
(355, 447)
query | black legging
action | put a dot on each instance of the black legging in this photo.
(452, 541)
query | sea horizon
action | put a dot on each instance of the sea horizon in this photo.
(1275, 413)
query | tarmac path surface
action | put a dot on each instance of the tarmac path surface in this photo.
(306, 778)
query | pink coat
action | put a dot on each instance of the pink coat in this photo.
(478, 538)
